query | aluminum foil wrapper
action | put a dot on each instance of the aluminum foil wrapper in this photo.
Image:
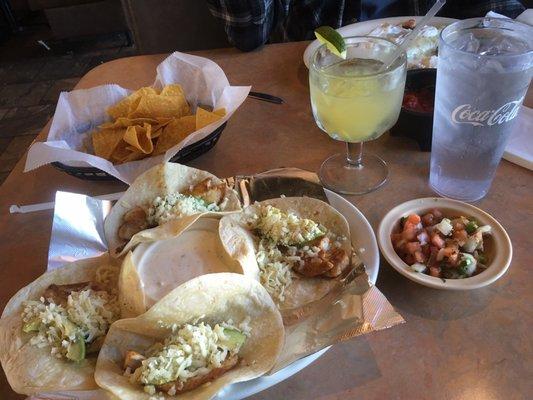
(355, 307)
(77, 229)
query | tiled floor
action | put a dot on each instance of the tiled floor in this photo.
(29, 90)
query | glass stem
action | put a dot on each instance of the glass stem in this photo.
(354, 153)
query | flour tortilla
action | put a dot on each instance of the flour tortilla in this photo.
(241, 244)
(132, 288)
(161, 180)
(212, 298)
(29, 369)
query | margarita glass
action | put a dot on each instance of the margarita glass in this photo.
(354, 101)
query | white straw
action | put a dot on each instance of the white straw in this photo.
(413, 34)
(16, 209)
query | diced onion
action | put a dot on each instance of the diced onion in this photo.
(418, 267)
(444, 226)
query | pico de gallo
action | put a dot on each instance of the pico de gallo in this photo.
(422, 100)
(448, 248)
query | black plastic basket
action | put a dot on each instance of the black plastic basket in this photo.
(186, 154)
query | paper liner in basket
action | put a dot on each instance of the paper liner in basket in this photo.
(81, 111)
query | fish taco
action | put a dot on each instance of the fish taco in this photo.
(162, 202)
(52, 330)
(301, 247)
(211, 331)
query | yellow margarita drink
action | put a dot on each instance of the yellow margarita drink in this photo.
(353, 102)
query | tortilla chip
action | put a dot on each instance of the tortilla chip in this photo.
(134, 154)
(139, 137)
(173, 90)
(123, 107)
(174, 132)
(105, 141)
(156, 131)
(189, 121)
(148, 121)
(204, 118)
(155, 106)
(125, 153)
(123, 122)
(120, 153)
(220, 111)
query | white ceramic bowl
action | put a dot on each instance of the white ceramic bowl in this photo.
(498, 246)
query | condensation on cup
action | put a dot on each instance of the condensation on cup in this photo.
(484, 71)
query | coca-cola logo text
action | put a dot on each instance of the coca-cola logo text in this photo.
(466, 114)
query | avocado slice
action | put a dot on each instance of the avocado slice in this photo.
(69, 328)
(31, 326)
(76, 350)
(234, 337)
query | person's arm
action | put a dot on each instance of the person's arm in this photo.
(248, 23)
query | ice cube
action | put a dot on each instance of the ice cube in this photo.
(467, 42)
(502, 44)
(490, 65)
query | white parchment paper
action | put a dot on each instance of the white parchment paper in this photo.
(80, 111)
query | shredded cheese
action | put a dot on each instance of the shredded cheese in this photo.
(177, 205)
(191, 351)
(285, 228)
(87, 314)
(274, 269)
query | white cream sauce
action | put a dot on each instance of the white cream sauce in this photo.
(166, 264)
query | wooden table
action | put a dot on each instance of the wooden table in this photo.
(455, 345)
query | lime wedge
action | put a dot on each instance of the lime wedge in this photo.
(332, 39)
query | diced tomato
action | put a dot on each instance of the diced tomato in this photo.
(437, 240)
(454, 258)
(460, 235)
(436, 213)
(451, 254)
(434, 271)
(412, 247)
(413, 219)
(409, 234)
(409, 259)
(419, 257)
(399, 244)
(457, 226)
(428, 219)
(408, 226)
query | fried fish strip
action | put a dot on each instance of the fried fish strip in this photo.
(328, 263)
(133, 360)
(193, 383)
(59, 293)
(207, 190)
(135, 220)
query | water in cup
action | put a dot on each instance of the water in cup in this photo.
(484, 71)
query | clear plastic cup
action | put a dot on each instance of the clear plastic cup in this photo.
(484, 71)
